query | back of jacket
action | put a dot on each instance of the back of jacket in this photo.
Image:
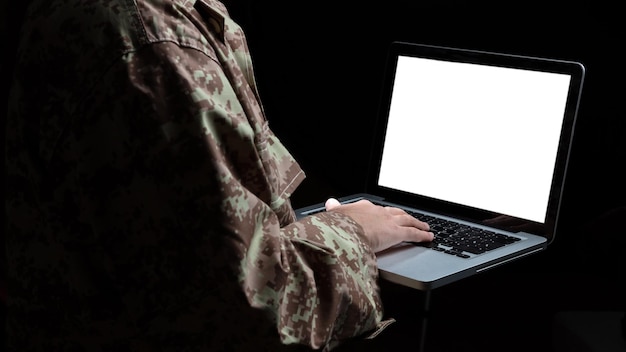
(148, 200)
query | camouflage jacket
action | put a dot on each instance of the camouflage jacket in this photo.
(148, 200)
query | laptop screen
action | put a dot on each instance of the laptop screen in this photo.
(482, 136)
(491, 136)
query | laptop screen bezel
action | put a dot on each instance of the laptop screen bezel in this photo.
(575, 70)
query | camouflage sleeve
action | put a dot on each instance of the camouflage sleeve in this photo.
(187, 164)
(331, 284)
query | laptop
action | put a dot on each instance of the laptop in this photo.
(477, 139)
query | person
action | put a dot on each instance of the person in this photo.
(148, 200)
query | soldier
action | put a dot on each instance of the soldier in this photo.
(148, 200)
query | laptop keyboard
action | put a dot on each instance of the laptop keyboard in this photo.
(460, 239)
(455, 238)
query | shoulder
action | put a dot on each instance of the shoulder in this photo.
(110, 28)
(195, 24)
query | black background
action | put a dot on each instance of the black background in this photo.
(319, 66)
(319, 70)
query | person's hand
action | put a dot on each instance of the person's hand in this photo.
(384, 227)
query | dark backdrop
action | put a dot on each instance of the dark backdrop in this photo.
(319, 69)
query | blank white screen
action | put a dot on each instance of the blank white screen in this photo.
(476, 135)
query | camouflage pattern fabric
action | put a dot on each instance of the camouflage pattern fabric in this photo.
(148, 200)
